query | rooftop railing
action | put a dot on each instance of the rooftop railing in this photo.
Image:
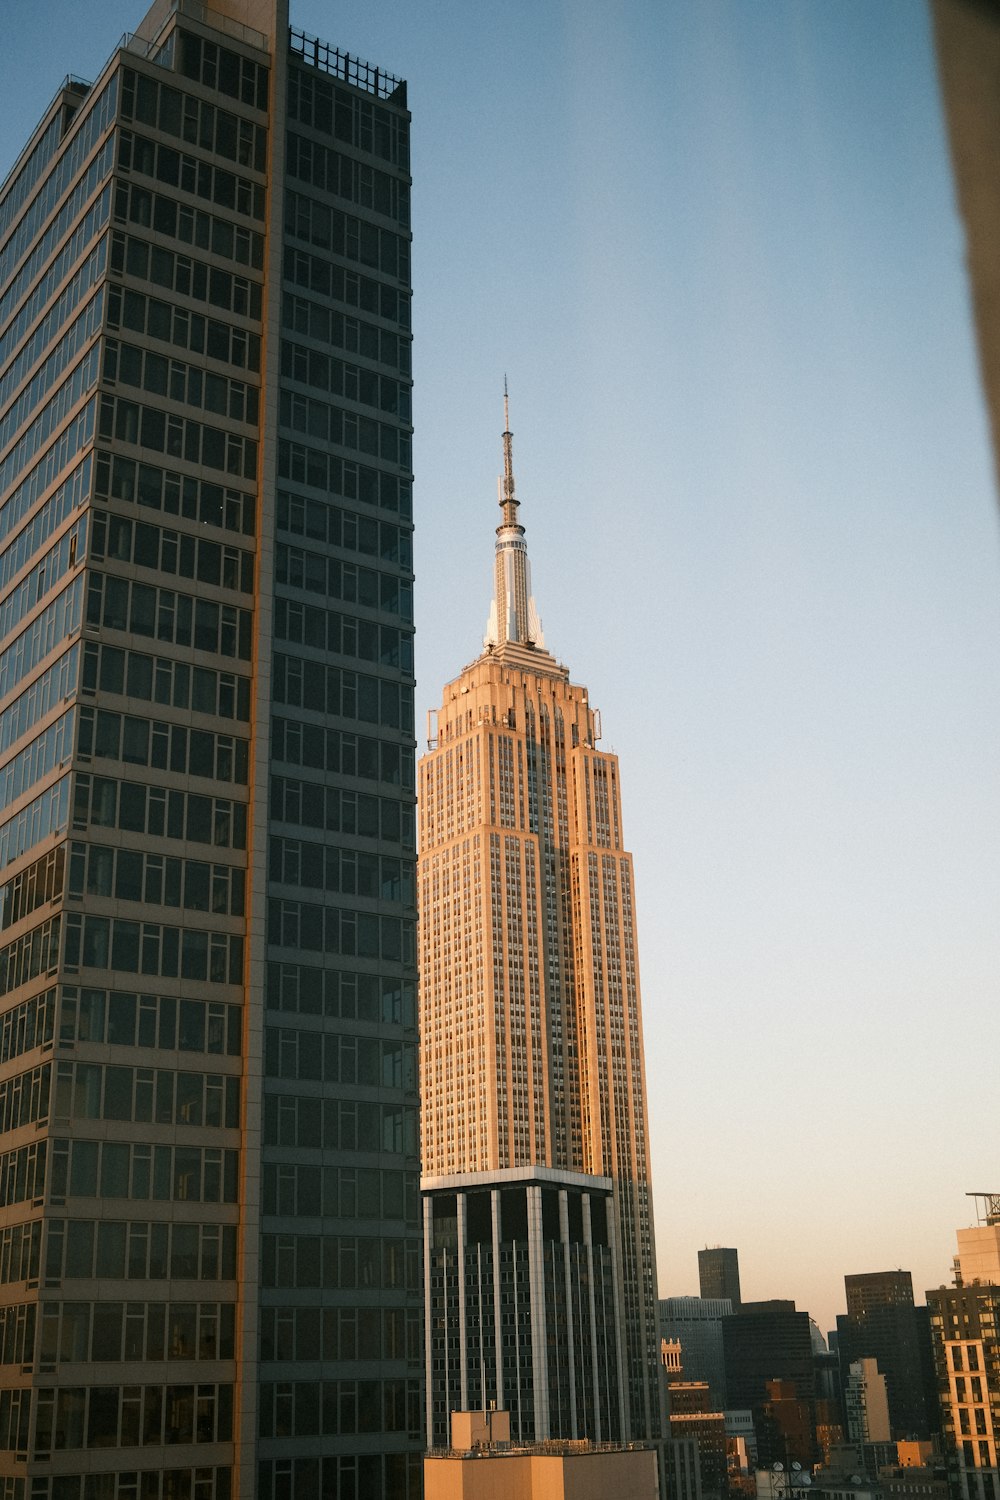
(349, 69)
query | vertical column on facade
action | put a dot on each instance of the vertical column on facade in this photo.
(539, 1341)
(614, 1230)
(463, 1331)
(570, 1330)
(247, 1386)
(595, 1363)
(497, 1326)
(428, 1321)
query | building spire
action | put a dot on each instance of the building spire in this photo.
(513, 616)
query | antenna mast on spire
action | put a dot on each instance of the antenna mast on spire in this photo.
(508, 500)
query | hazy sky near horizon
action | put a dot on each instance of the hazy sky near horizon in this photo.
(715, 249)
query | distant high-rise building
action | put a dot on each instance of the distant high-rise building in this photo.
(696, 1322)
(873, 1289)
(965, 1328)
(719, 1273)
(866, 1403)
(770, 1370)
(692, 1415)
(883, 1324)
(539, 1263)
(209, 1172)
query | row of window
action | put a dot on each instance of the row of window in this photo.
(342, 176)
(185, 276)
(112, 1416)
(346, 429)
(169, 219)
(52, 748)
(304, 989)
(340, 1333)
(33, 953)
(183, 328)
(46, 573)
(151, 948)
(35, 886)
(53, 323)
(332, 1407)
(188, 385)
(24, 1097)
(202, 179)
(310, 804)
(337, 1057)
(344, 635)
(344, 1261)
(344, 477)
(161, 679)
(178, 437)
(117, 1169)
(340, 1125)
(295, 1190)
(28, 1025)
(76, 336)
(332, 929)
(202, 1483)
(91, 1091)
(330, 326)
(71, 249)
(341, 750)
(103, 802)
(313, 685)
(234, 75)
(46, 520)
(156, 880)
(21, 183)
(325, 372)
(175, 494)
(64, 450)
(17, 1333)
(99, 116)
(135, 1250)
(338, 527)
(326, 278)
(83, 377)
(20, 1248)
(376, 1476)
(348, 116)
(58, 620)
(349, 872)
(45, 814)
(121, 1018)
(167, 747)
(195, 121)
(180, 619)
(175, 552)
(104, 1332)
(22, 1174)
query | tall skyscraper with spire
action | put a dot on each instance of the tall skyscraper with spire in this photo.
(538, 1233)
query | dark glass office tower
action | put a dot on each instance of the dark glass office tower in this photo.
(209, 1251)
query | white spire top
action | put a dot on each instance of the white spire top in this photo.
(513, 615)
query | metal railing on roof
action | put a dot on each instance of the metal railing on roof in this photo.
(346, 67)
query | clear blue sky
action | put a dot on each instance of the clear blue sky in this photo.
(715, 249)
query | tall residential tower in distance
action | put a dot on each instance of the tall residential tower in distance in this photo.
(719, 1273)
(538, 1251)
(209, 1248)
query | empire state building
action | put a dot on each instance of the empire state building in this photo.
(538, 1233)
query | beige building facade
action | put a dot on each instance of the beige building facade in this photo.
(535, 1159)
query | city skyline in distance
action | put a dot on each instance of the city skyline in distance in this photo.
(749, 425)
